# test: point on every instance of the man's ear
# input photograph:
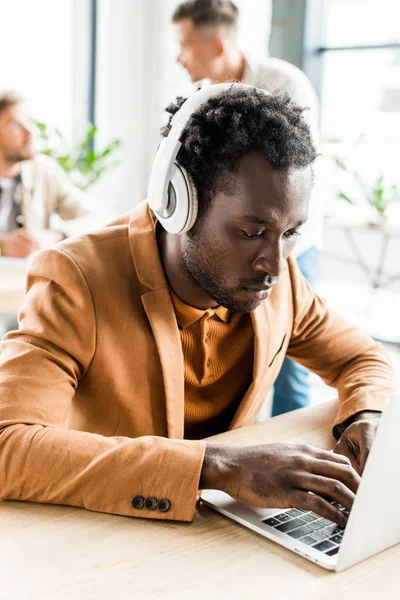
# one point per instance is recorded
(219, 47)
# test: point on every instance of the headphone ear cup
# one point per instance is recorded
(181, 211)
(193, 207)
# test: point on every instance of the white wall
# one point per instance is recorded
(36, 50)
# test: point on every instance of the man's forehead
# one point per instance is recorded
(254, 175)
(261, 194)
(185, 31)
(184, 28)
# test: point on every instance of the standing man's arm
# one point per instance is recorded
(41, 365)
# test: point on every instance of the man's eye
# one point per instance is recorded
(291, 234)
(252, 235)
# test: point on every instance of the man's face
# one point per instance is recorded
(16, 134)
(237, 251)
(198, 49)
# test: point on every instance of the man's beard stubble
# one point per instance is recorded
(198, 266)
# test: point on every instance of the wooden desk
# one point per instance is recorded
(55, 552)
(12, 284)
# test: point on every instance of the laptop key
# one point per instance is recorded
(293, 512)
(315, 526)
(331, 529)
(338, 530)
(283, 518)
(280, 515)
(309, 517)
(289, 525)
(336, 539)
(325, 522)
(271, 521)
(332, 552)
(323, 546)
(309, 540)
(320, 535)
(299, 532)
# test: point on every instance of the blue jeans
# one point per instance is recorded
(292, 388)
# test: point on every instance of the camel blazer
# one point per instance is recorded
(92, 384)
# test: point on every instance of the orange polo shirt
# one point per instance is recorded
(218, 363)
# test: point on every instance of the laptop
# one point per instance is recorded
(373, 523)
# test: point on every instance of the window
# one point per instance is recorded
(359, 68)
(44, 47)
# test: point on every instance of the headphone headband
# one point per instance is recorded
(172, 194)
(157, 196)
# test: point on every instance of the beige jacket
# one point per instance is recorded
(46, 189)
(92, 386)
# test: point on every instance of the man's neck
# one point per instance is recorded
(231, 69)
(9, 170)
(179, 281)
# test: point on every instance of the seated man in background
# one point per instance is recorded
(32, 186)
(206, 31)
(136, 342)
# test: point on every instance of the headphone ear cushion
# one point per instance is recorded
(181, 212)
(193, 204)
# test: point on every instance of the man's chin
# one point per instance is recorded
(21, 156)
(240, 306)
(28, 155)
(249, 307)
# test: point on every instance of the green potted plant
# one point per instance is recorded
(83, 163)
(377, 193)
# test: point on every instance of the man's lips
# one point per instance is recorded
(258, 292)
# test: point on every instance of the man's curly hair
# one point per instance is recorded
(234, 123)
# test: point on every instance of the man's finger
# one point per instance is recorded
(344, 473)
(329, 488)
(330, 455)
(319, 505)
(367, 437)
(344, 449)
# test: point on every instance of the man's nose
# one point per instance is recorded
(271, 262)
(28, 130)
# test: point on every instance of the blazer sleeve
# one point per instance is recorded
(40, 367)
(342, 355)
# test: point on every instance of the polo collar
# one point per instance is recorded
(187, 315)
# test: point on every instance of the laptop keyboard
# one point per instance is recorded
(310, 528)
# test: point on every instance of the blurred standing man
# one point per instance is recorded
(206, 31)
(32, 187)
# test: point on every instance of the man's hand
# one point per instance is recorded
(282, 476)
(356, 440)
(18, 244)
(21, 242)
(48, 237)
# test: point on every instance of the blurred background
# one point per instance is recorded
(97, 75)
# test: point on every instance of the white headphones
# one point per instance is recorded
(172, 194)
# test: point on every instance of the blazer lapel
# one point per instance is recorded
(252, 401)
(158, 305)
(160, 312)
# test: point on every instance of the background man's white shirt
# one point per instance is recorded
(271, 74)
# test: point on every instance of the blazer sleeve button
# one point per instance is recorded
(163, 505)
(137, 502)
(150, 503)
